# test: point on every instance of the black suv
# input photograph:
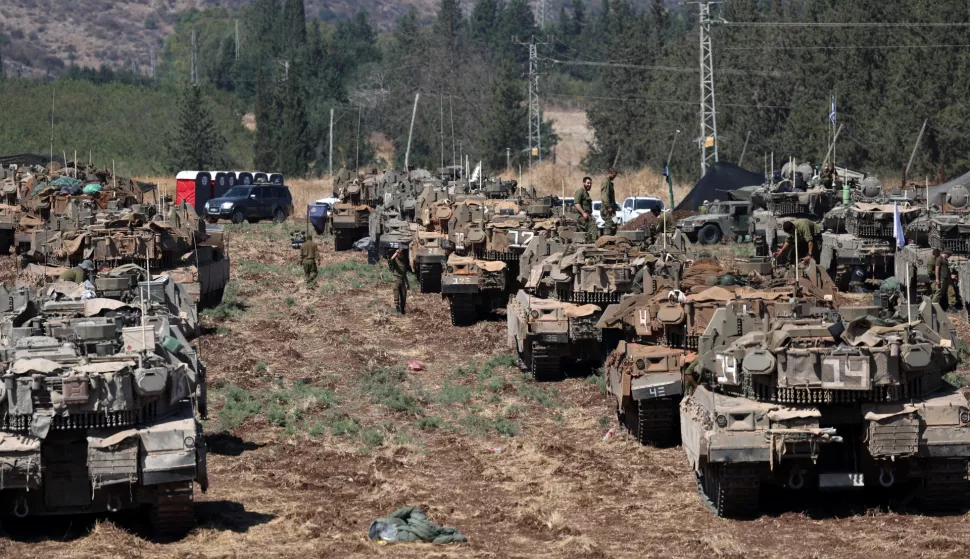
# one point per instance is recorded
(251, 203)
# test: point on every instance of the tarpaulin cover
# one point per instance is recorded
(720, 178)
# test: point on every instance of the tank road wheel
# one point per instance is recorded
(341, 241)
(430, 277)
(945, 485)
(172, 514)
(546, 363)
(730, 490)
(657, 421)
(462, 310)
(710, 234)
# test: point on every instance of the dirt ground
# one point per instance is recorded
(316, 429)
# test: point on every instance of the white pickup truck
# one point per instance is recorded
(635, 206)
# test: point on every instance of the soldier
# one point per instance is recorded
(399, 267)
(940, 274)
(828, 176)
(704, 208)
(79, 273)
(608, 203)
(584, 205)
(808, 236)
(340, 180)
(308, 259)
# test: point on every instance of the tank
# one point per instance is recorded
(473, 288)
(430, 248)
(826, 404)
(857, 263)
(174, 242)
(545, 332)
(101, 409)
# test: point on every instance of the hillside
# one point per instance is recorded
(40, 37)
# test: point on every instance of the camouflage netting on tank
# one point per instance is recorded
(697, 274)
(411, 525)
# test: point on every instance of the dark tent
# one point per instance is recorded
(30, 159)
(721, 177)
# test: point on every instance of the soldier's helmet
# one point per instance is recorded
(87, 265)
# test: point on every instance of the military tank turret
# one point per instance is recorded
(820, 404)
(100, 408)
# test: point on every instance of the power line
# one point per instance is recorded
(677, 69)
(862, 24)
(847, 47)
(665, 101)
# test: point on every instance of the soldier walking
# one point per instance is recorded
(399, 267)
(608, 203)
(308, 259)
(584, 205)
(940, 275)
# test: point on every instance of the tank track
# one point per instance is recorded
(730, 490)
(945, 485)
(342, 241)
(463, 311)
(429, 277)
(546, 363)
(658, 422)
(172, 514)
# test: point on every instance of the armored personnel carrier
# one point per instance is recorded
(950, 232)
(543, 332)
(350, 218)
(867, 251)
(100, 410)
(815, 404)
(429, 249)
(174, 242)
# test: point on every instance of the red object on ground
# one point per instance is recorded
(415, 365)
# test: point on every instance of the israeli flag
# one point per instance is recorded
(898, 227)
(832, 113)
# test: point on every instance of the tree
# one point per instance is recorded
(507, 120)
(195, 142)
(293, 29)
(264, 151)
(264, 25)
(293, 140)
(2, 74)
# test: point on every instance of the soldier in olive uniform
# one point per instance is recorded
(340, 180)
(78, 273)
(704, 207)
(608, 203)
(584, 205)
(308, 259)
(399, 267)
(942, 289)
(807, 234)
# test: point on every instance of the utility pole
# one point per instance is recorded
(414, 114)
(451, 109)
(237, 39)
(508, 158)
(151, 49)
(708, 106)
(441, 126)
(331, 142)
(195, 76)
(744, 149)
(535, 114)
(286, 68)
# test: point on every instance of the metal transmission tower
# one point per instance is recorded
(535, 113)
(708, 139)
(542, 7)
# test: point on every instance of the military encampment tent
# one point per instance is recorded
(720, 178)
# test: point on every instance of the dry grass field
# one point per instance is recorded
(316, 428)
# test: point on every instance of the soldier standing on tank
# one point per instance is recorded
(340, 180)
(584, 205)
(940, 275)
(308, 259)
(608, 203)
(399, 267)
(828, 176)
